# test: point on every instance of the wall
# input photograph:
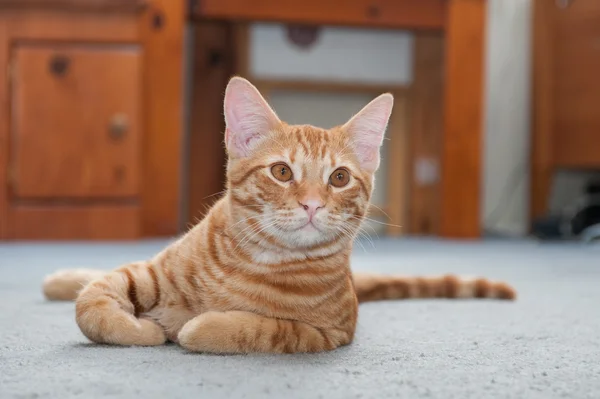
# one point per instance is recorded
(340, 54)
(507, 123)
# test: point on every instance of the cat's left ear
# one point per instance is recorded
(367, 128)
(248, 117)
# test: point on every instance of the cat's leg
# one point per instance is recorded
(245, 332)
(107, 308)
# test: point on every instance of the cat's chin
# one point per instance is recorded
(307, 236)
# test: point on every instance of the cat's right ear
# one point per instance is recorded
(248, 117)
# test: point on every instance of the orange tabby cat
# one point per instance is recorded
(268, 268)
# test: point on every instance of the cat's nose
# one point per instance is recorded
(311, 206)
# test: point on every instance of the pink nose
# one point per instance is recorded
(311, 206)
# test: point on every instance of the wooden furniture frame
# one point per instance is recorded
(161, 30)
(462, 22)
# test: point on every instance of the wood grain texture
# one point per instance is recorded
(81, 27)
(398, 180)
(213, 65)
(62, 120)
(463, 120)
(68, 222)
(4, 128)
(163, 37)
(566, 94)
(542, 107)
(401, 14)
(69, 5)
(426, 132)
(241, 43)
(576, 87)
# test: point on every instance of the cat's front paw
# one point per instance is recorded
(208, 332)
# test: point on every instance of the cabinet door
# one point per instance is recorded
(75, 121)
(575, 67)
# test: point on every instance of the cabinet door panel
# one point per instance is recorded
(75, 121)
(576, 97)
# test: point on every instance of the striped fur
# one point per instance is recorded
(259, 273)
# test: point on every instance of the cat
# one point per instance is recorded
(268, 268)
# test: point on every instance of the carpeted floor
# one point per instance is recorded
(546, 345)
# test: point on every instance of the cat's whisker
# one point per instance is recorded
(239, 222)
(359, 242)
(349, 234)
(362, 228)
(265, 216)
(377, 221)
(381, 210)
(359, 231)
(248, 238)
(248, 227)
(252, 226)
(215, 194)
(362, 233)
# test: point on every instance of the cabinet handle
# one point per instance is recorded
(118, 126)
(59, 65)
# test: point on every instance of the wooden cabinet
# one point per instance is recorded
(576, 96)
(566, 96)
(90, 118)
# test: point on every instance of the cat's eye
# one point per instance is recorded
(339, 178)
(281, 172)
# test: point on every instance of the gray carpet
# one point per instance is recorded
(546, 345)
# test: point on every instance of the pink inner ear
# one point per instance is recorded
(368, 154)
(367, 129)
(247, 116)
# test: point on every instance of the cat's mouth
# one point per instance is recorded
(309, 226)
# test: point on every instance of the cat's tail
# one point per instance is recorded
(64, 285)
(376, 287)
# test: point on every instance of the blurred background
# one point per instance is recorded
(111, 122)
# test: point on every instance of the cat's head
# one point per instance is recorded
(299, 185)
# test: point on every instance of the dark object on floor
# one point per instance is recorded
(548, 228)
(580, 220)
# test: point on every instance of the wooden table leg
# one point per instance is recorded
(398, 190)
(162, 30)
(213, 64)
(462, 165)
(541, 140)
(426, 133)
